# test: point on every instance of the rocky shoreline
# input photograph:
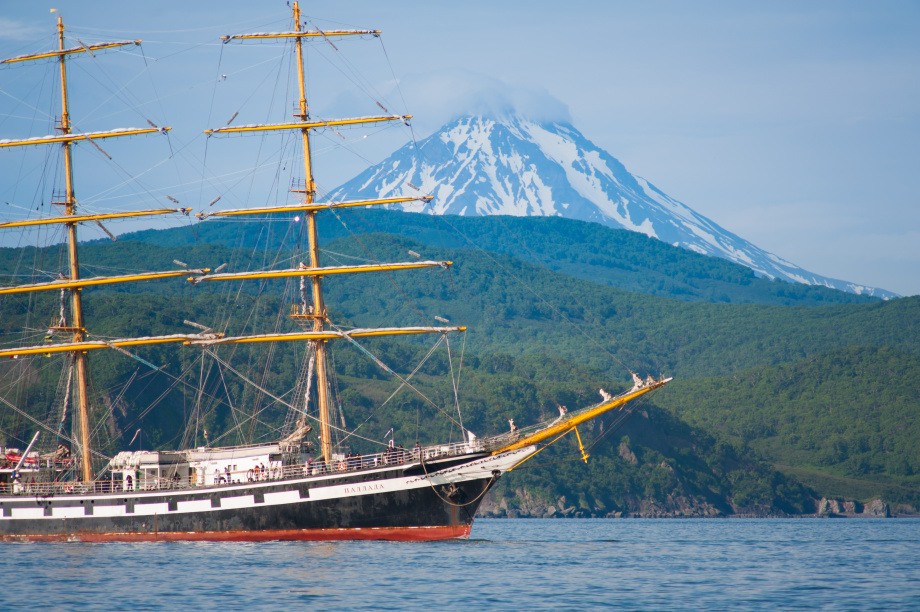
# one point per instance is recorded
(523, 504)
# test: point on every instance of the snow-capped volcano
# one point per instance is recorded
(479, 165)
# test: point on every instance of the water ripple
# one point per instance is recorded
(526, 564)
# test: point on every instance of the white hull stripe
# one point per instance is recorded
(478, 469)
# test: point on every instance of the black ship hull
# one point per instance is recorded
(408, 502)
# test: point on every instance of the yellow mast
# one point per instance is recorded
(318, 335)
(70, 219)
(76, 323)
(319, 308)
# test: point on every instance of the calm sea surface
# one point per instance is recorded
(628, 564)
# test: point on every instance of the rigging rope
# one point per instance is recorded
(66, 397)
(47, 428)
(386, 273)
(458, 290)
(392, 395)
(233, 409)
(455, 382)
(281, 401)
(389, 370)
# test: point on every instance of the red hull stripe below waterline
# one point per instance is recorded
(406, 534)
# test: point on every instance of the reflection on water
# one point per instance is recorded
(528, 564)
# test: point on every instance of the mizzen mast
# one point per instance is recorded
(76, 302)
(70, 219)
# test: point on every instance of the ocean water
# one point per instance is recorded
(507, 564)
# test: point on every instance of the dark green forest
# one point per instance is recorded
(849, 413)
(619, 258)
(783, 393)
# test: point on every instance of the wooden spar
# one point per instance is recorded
(82, 347)
(299, 34)
(82, 218)
(99, 280)
(317, 272)
(325, 335)
(579, 418)
(307, 125)
(67, 137)
(319, 206)
(209, 339)
(62, 52)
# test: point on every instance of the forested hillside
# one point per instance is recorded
(514, 307)
(850, 413)
(656, 466)
(766, 397)
(620, 258)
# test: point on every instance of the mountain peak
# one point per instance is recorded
(506, 164)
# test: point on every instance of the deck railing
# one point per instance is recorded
(389, 457)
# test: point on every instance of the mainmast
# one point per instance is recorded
(319, 308)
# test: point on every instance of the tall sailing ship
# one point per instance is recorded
(292, 488)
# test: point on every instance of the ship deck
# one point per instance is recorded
(392, 457)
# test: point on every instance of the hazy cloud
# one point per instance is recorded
(11, 29)
(436, 98)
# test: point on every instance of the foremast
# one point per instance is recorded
(319, 308)
(319, 334)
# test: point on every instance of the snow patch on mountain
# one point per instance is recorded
(479, 165)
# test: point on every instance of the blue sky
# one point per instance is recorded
(794, 125)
